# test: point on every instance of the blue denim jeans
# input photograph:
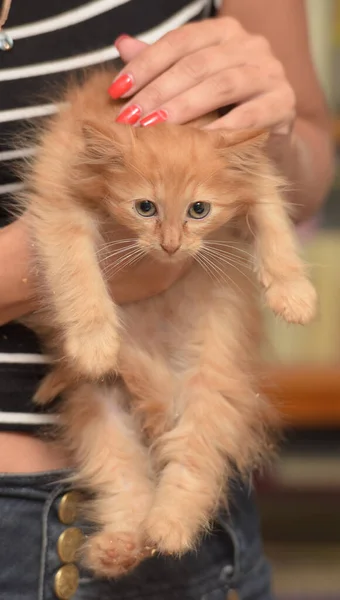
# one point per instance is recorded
(231, 557)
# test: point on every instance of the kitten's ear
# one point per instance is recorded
(104, 146)
(240, 139)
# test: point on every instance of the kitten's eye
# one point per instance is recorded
(199, 210)
(145, 208)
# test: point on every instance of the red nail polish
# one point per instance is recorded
(122, 85)
(130, 115)
(121, 37)
(153, 118)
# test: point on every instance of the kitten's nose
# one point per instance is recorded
(170, 248)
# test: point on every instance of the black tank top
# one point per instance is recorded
(52, 39)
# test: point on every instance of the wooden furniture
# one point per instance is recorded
(307, 395)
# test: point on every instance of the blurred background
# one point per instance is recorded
(300, 497)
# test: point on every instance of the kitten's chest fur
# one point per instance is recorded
(173, 324)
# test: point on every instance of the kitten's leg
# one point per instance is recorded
(83, 309)
(152, 386)
(223, 424)
(111, 463)
(194, 457)
(282, 272)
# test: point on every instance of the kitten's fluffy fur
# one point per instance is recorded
(157, 445)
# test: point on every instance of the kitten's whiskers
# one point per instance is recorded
(221, 253)
(201, 262)
(116, 243)
(229, 261)
(126, 261)
(224, 277)
(119, 251)
(232, 246)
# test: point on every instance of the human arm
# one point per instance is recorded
(17, 277)
(16, 286)
(306, 155)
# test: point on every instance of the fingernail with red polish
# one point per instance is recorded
(153, 118)
(121, 86)
(120, 38)
(130, 115)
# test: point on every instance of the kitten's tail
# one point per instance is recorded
(56, 382)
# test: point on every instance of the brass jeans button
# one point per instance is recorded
(66, 582)
(68, 507)
(69, 543)
(232, 595)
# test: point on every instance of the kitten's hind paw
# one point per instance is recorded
(295, 300)
(94, 353)
(114, 553)
(169, 534)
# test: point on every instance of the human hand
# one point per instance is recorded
(202, 67)
(144, 280)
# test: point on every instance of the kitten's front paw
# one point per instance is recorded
(114, 553)
(295, 301)
(93, 353)
(168, 532)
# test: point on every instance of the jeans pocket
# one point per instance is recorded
(250, 575)
(256, 584)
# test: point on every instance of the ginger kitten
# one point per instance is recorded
(157, 445)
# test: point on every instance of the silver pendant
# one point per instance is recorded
(6, 42)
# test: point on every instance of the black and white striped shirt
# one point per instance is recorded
(51, 39)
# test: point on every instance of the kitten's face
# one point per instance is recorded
(171, 189)
(171, 223)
